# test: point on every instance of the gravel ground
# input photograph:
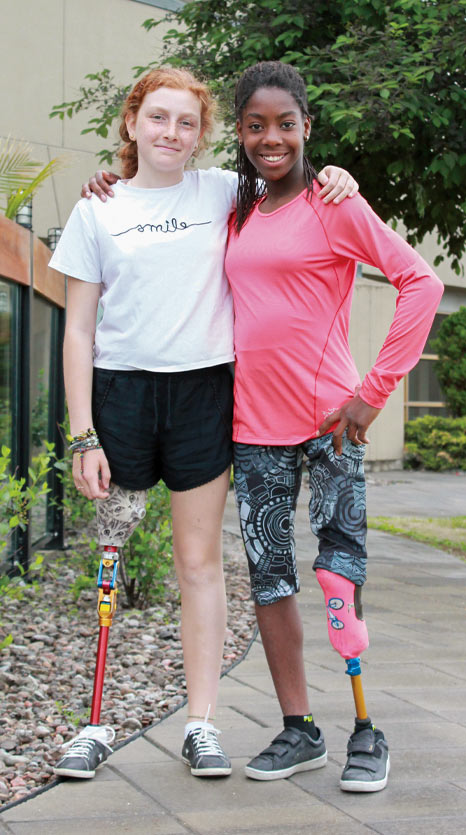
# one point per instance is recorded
(46, 674)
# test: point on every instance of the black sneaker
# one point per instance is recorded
(86, 752)
(202, 751)
(368, 763)
(292, 750)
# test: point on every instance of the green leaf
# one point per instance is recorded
(23, 195)
(6, 642)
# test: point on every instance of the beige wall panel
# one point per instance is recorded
(372, 313)
(31, 45)
(48, 47)
(69, 182)
(98, 35)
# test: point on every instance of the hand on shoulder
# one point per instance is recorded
(101, 185)
(337, 184)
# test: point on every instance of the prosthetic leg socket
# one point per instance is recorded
(347, 628)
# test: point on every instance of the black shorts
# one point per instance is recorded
(174, 426)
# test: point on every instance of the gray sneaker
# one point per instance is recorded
(86, 752)
(204, 754)
(368, 763)
(292, 750)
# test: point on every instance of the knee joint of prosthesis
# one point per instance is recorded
(119, 515)
(347, 628)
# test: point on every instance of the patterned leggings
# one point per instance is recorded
(267, 484)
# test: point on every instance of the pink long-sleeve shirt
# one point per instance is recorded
(292, 275)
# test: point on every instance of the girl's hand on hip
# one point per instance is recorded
(91, 474)
(337, 184)
(101, 184)
(355, 416)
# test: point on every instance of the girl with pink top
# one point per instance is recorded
(291, 263)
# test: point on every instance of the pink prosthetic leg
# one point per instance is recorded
(368, 762)
(346, 628)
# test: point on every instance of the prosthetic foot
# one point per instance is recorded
(117, 517)
(368, 763)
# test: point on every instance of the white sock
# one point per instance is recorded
(191, 726)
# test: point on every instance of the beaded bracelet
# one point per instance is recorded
(82, 436)
(84, 441)
(82, 449)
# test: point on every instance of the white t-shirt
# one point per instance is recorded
(158, 254)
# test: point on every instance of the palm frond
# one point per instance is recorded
(17, 169)
(24, 193)
(21, 176)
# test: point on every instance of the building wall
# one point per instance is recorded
(47, 48)
(423, 394)
(372, 313)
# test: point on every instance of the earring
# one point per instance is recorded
(132, 137)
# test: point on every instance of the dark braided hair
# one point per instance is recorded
(265, 74)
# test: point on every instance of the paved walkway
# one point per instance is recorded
(414, 677)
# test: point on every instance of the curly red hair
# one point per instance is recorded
(178, 79)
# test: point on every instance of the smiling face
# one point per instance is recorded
(273, 130)
(167, 128)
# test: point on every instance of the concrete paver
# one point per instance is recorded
(414, 676)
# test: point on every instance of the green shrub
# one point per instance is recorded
(40, 413)
(435, 443)
(145, 559)
(450, 367)
(17, 498)
(78, 510)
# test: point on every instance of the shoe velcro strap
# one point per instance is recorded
(363, 742)
(363, 761)
(282, 742)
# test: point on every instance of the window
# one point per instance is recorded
(423, 395)
(6, 360)
(171, 5)
(41, 329)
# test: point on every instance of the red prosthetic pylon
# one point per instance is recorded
(106, 607)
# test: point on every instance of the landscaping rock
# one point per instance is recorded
(47, 690)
